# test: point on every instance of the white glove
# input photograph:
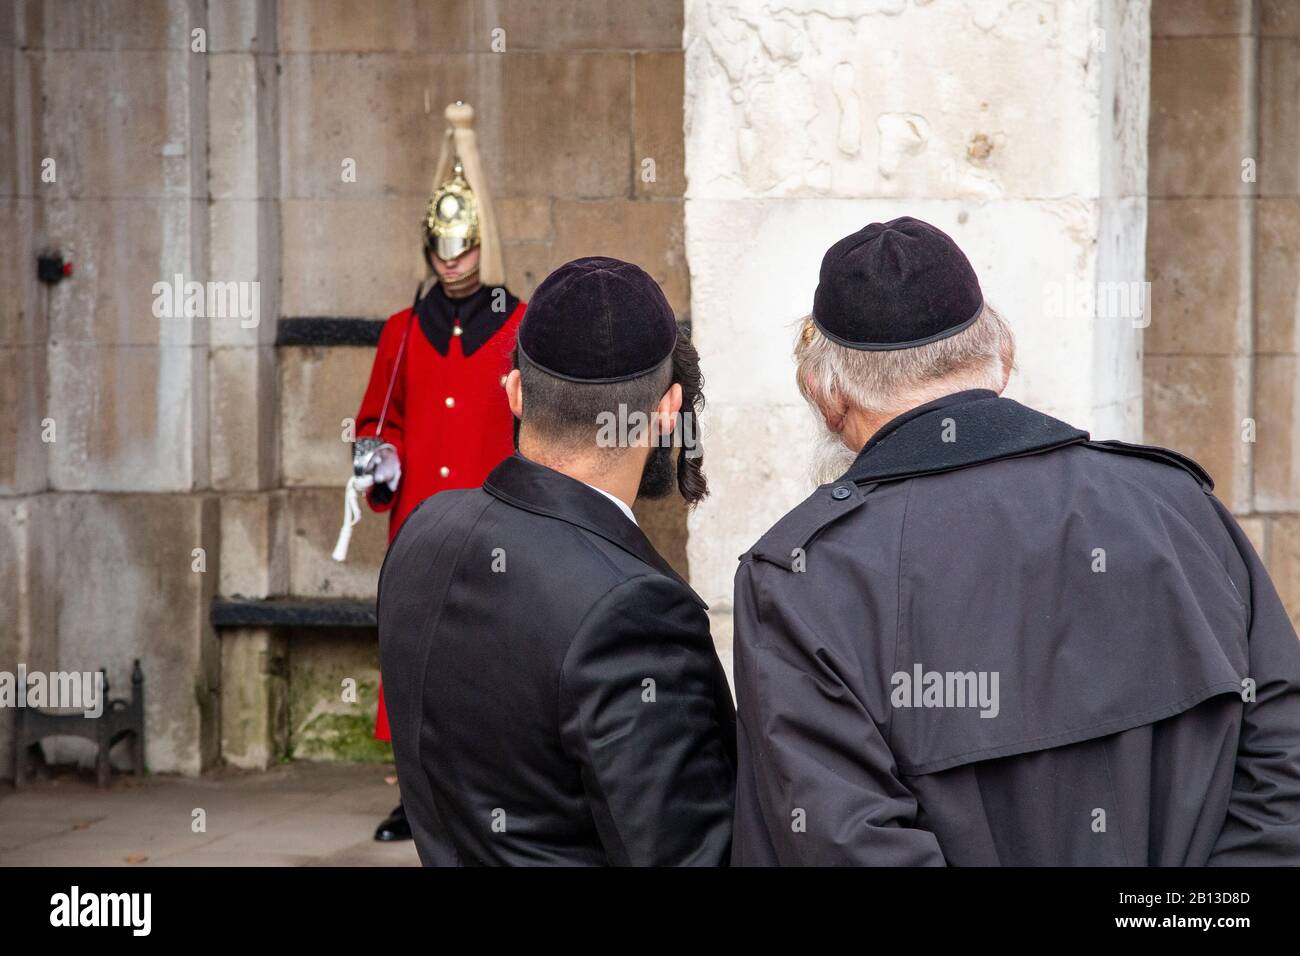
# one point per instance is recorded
(384, 467)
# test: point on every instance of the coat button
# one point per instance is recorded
(840, 493)
(456, 330)
(451, 402)
(444, 471)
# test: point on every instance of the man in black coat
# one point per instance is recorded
(553, 692)
(990, 640)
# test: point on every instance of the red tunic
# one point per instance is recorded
(448, 417)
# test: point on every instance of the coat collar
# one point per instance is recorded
(525, 484)
(980, 426)
(479, 321)
(957, 431)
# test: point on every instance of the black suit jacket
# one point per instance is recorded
(553, 692)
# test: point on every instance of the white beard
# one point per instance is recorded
(831, 458)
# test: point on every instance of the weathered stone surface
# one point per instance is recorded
(383, 112)
(120, 251)
(243, 432)
(546, 147)
(134, 25)
(23, 317)
(648, 233)
(796, 102)
(119, 124)
(1200, 304)
(127, 587)
(657, 82)
(1255, 528)
(254, 545)
(1174, 18)
(343, 107)
(1279, 18)
(585, 24)
(1200, 116)
(236, 154)
(750, 491)
(27, 599)
(664, 523)
(1277, 447)
(396, 26)
(244, 248)
(527, 264)
(525, 219)
(319, 389)
(127, 419)
(407, 26)
(324, 723)
(1277, 275)
(325, 275)
(9, 135)
(314, 518)
(22, 394)
(254, 698)
(242, 26)
(1279, 116)
(1284, 562)
(1197, 404)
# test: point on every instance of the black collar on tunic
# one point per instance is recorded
(526, 484)
(479, 321)
(966, 428)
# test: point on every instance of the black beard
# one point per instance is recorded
(658, 474)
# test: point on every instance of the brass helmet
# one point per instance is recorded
(451, 221)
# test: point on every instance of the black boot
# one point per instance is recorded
(395, 827)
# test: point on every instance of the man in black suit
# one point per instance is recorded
(553, 692)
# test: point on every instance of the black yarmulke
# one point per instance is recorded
(598, 320)
(895, 285)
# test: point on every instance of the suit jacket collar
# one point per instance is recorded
(439, 313)
(525, 484)
(956, 431)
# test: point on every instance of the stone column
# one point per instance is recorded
(1019, 129)
(1204, 135)
(1277, 297)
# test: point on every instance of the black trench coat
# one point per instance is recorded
(994, 641)
(553, 692)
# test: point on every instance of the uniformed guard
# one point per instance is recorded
(553, 690)
(990, 639)
(434, 415)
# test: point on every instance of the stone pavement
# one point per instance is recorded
(299, 814)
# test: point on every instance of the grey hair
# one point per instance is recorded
(885, 381)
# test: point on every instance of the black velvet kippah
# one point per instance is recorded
(895, 285)
(598, 320)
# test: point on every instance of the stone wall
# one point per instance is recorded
(218, 155)
(106, 466)
(1222, 379)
